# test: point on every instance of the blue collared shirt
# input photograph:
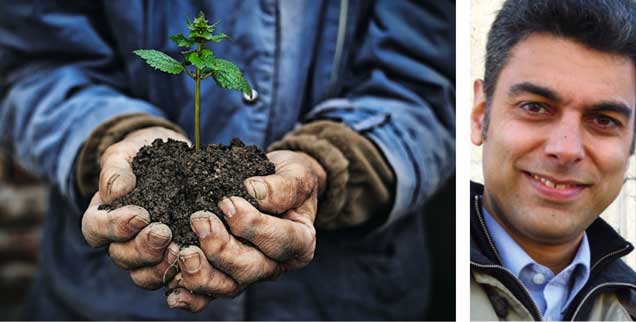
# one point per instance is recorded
(551, 293)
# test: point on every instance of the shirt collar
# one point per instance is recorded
(514, 258)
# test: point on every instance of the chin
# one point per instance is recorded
(554, 234)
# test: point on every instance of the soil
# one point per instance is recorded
(174, 181)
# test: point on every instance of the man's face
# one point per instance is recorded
(561, 126)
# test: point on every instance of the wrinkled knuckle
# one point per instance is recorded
(248, 274)
(254, 219)
(214, 245)
(148, 255)
(219, 286)
(245, 228)
(266, 272)
(221, 246)
(120, 228)
(300, 192)
(308, 183)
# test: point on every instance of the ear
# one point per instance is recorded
(478, 113)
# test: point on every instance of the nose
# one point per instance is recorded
(565, 143)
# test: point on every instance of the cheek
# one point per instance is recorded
(611, 160)
(511, 142)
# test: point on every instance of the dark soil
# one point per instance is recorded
(174, 181)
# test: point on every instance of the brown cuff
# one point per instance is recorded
(110, 132)
(360, 182)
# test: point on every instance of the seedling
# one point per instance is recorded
(226, 74)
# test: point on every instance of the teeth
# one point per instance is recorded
(551, 184)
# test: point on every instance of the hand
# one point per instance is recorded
(133, 243)
(224, 264)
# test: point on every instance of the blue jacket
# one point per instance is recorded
(385, 68)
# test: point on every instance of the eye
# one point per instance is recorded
(534, 108)
(605, 122)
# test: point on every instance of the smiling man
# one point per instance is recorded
(555, 116)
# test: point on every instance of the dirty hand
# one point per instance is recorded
(133, 243)
(258, 246)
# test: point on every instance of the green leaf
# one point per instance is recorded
(207, 56)
(201, 31)
(199, 35)
(227, 75)
(194, 59)
(189, 24)
(203, 60)
(181, 40)
(220, 37)
(160, 61)
(200, 23)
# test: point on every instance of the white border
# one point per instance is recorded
(462, 139)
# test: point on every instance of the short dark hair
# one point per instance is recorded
(604, 25)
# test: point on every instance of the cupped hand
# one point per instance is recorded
(133, 243)
(261, 243)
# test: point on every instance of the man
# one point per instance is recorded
(555, 115)
(355, 101)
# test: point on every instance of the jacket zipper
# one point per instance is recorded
(536, 313)
(483, 226)
(608, 255)
(595, 290)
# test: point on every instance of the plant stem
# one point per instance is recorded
(197, 105)
(197, 110)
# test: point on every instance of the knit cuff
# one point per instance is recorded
(360, 182)
(105, 135)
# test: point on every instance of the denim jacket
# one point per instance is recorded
(384, 68)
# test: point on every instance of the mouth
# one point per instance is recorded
(556, 189)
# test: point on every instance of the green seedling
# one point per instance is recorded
(226, 74)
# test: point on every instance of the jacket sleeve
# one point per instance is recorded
(59, 79)
(400, 94)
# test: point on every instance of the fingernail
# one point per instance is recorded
(110, 183)
(191, 262)
(173, 252)
(258, 189)
(137, 222)
(228, 207)
(159, 236)
(200, 223)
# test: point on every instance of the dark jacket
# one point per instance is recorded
(610, 278)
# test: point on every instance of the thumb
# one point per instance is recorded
(277, 194)
(116, 178)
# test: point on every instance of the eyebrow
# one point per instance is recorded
(603, 106)
(611, 106)
(527, 87)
